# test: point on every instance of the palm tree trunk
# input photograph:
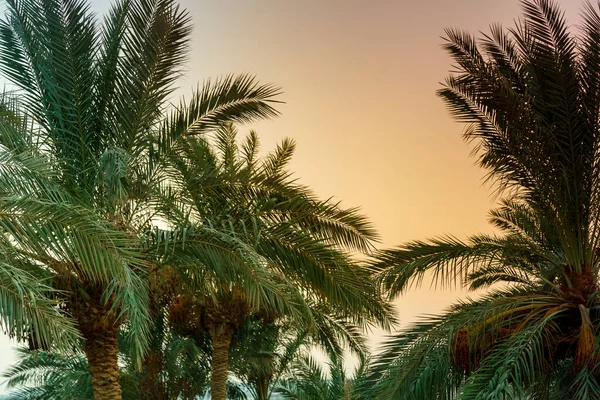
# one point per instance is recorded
(221, 335)
(99, 326)
(102, 354)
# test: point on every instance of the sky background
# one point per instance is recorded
(359, 80)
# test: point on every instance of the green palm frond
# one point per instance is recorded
(85, 160)
(500, 341)
(451, 260)
(310, 380)
(42, 375)
(231, 98)
(155, 45)
(27, 310)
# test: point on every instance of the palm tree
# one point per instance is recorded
(530, 99)
(264, 359)
(42, 375)
(27, 309)
(309, 379)
(298, 243)
(96, 96)
(264, 354)
(184, 371)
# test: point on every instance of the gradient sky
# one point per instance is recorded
(359, 80)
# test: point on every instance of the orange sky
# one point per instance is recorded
(360, 78)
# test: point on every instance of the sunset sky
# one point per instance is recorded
(359, 80)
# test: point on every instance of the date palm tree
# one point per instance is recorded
(96, 95)
(27, 308)
(264, 354)
(301, 245)
(310, 379)
(46, 375)
(530, 99)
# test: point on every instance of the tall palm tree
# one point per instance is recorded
(300, 245)
(96, 96)
(530, 97)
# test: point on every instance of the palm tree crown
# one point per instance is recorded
(98, 128)
(530, 99)
(294, 248)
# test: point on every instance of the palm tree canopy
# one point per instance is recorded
(300, 243)
(292, 250)
(529, 98)
(97, 127)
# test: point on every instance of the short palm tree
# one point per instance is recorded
(185, 373)
(41, 375)
(530, 97)
(96, 96)
(298, 242)
(264, 354)
(310, 379)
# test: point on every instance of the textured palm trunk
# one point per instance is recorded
(99, 326)
(221, 339)
(102, 355)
